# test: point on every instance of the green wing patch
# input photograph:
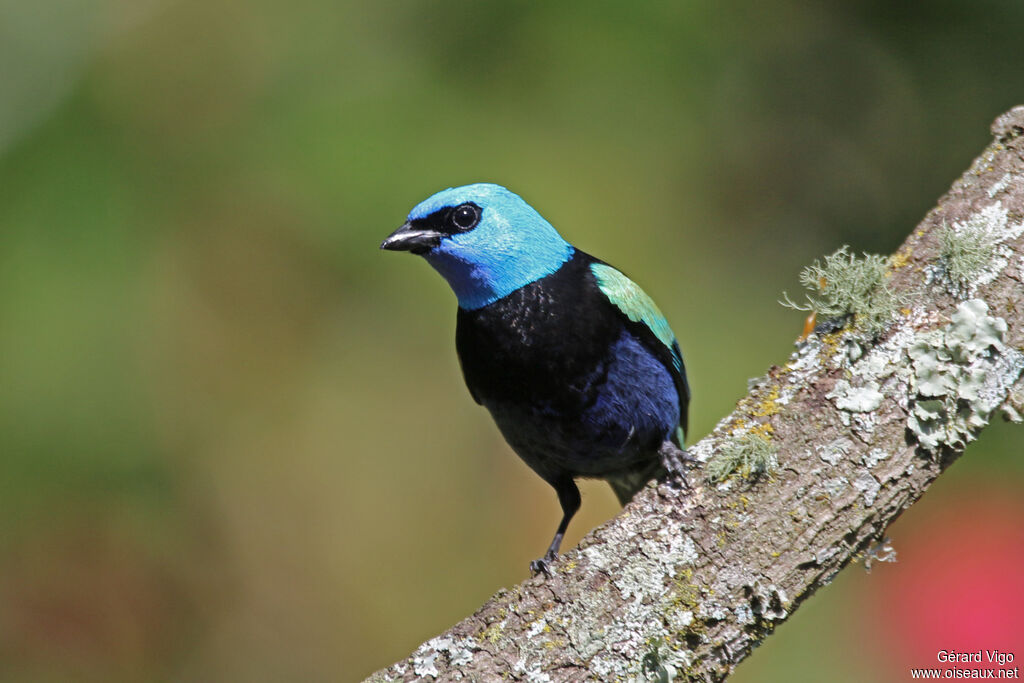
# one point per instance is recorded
(634, 303)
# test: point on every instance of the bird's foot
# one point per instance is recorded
(543, 565)
(676, 462)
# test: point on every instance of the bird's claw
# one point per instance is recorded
(676, 462)
(542, 565)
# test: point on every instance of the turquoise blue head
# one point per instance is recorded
(484, 240)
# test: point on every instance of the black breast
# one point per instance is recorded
(544, 345)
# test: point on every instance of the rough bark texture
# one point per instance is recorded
(683, 584)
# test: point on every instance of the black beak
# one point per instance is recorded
(411, 238)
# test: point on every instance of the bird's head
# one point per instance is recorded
(486, 241)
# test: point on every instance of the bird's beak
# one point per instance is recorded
(411, 238)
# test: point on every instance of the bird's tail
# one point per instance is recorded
(626, 484)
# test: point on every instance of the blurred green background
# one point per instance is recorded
(235, 440)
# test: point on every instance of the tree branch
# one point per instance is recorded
(683, 584)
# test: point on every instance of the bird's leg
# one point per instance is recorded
(675, 460)
(569, 498)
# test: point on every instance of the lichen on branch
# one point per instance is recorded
(849, 286)
(748, 455)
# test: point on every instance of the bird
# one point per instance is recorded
(574, 361)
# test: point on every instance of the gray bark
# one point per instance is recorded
(684, 583)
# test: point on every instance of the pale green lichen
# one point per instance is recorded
(848, 286)
(965, 249)
(861, 399)
(961, 373)
(748, 454)
(661, 553)
(974, 252)
(457, 652)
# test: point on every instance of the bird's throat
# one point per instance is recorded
(478, 281)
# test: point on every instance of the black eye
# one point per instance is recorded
(465, 216)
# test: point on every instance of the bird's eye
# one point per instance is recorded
(466, 216)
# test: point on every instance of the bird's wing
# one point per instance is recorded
(648, 323)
